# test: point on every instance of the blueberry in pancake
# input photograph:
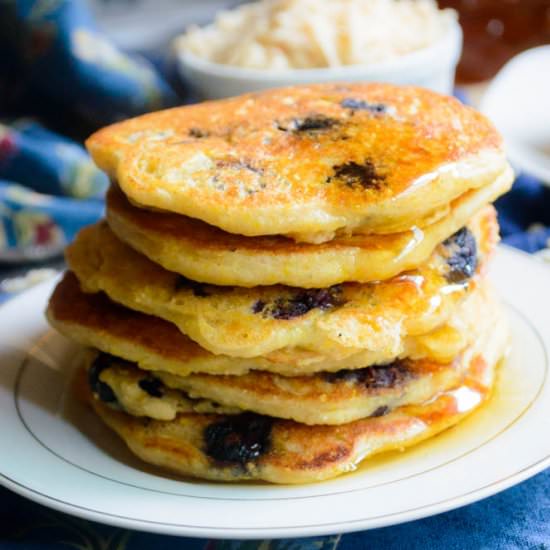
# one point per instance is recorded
(204, 253)
(155, 344)
(336, 322)
(248, 446)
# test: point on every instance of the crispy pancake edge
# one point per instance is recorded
(336, 322)
(206, 254)
(154, 344)
(321, 398)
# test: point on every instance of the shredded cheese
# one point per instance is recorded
(298, 34)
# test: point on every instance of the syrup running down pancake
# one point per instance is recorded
(338, 321)
(321, 398)
(206, 254)
(154, 344)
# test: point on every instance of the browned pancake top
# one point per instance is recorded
(306, 160)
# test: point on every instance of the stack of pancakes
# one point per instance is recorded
(289, 282)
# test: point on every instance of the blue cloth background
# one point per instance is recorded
(57, 66)
(49, 189)
(518, 518)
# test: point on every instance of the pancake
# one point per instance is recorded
(206, 254)
(338, 321)
(154, 344)
(322, 398)
(308, 162)
(249, 446)
(125, 387)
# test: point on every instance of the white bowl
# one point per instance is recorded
(518, 102)
(432, 67)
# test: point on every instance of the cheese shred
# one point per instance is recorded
(300, 34)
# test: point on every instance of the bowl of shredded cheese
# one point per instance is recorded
(273, 43)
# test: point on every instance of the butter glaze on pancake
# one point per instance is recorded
(204, 253)
(243, 322)
(244, 447)
(322, 398)
(301, 162)
(154, 344)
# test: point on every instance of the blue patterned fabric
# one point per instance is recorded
(49, 189)
(47, 162)
(38, 225)
(55, 64)
(516, 519)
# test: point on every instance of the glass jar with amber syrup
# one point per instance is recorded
(495, 31)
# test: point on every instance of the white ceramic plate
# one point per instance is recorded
(54, 451)
(518, 102)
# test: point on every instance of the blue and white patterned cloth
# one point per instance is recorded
(56, 64)
(55, 60)
(49, 189)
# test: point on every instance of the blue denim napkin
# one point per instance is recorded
(524, 215)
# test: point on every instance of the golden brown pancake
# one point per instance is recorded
(154, 344)
(308, 162)
(125, 387)
(338, 321)
(322, 398)
(249, 446)
(206, 254)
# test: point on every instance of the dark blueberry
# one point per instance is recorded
(304, 301)
(462, 255)
(153, 386)
(258, 306)
(378, 376)
(380, 411)
(198, 133)
(197, 288)
(361, 105)
(238, 439)
(313, 123)
(356, 175)
(101, 389)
